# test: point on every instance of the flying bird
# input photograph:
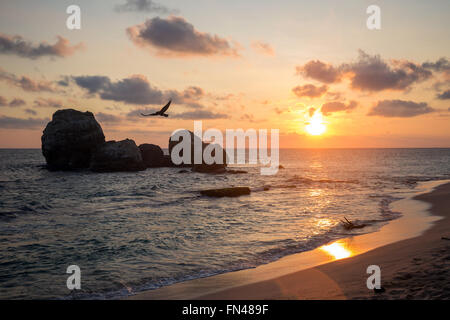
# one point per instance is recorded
(160, 112)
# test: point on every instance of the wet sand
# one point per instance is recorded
(413, 258)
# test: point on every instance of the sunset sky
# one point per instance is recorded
(233, 64)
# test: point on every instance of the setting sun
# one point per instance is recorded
(316, 126)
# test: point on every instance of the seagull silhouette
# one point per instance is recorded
(160, 112)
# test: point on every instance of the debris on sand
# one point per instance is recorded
(350, 225)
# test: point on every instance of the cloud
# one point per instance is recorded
(336, 106)
(92, 84)
(372, 73)
(138, 90)
(263, 48)
(310, 90)
(16, 102)
(107, 118)
(133, 90)
(334, 95)
(30, 111)
(189, 97)
(320, 71)
(311, 111)
(174, 36)
(13, 103)
(19, 123)
(16, 45)
(441, 65)
(142, 6)
(199, 114)
(250, 118)
(26, 83)
(48, 103)
(399, 108)
(444, 95)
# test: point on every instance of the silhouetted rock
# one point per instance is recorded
(209, 168)
(117, 156)
(236, 172)
(226, 192)
(152, 155)
(203, 167)
(167, 162)
(69, 140)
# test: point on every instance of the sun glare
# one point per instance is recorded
(315, 126)
(337, 250)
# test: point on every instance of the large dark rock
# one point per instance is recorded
(226, 192)
(203, 167)
(69, 140)
(152, 155)
(117, 156)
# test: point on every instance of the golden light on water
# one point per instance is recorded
(337, 250)
(316, 126)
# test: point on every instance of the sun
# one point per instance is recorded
(316, 126)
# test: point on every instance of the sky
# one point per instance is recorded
(232, 64)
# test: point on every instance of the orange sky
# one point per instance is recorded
(242, 65)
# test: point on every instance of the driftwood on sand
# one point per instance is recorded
(350, 225)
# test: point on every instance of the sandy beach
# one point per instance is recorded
(417, 267)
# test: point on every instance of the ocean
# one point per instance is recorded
(130, 232)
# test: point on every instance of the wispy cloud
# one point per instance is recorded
(48, 103)
(20, 123)
(26, 83)
(310, 91)
(444, 95)
(199, 114)
(16, 45)
(263, 48)
(143, 6)
(400, 108)
(336, 106)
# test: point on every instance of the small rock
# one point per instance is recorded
(226, 192)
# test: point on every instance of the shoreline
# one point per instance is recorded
(336, 270)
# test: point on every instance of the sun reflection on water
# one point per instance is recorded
(337, 250)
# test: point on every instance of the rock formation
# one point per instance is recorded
(117, 156)
(226, 192)
(203, 167)
(70, 139)
(152, 155)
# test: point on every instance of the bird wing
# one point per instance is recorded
(164, 109)
(151, 114)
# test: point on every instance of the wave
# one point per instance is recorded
(305, 180)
